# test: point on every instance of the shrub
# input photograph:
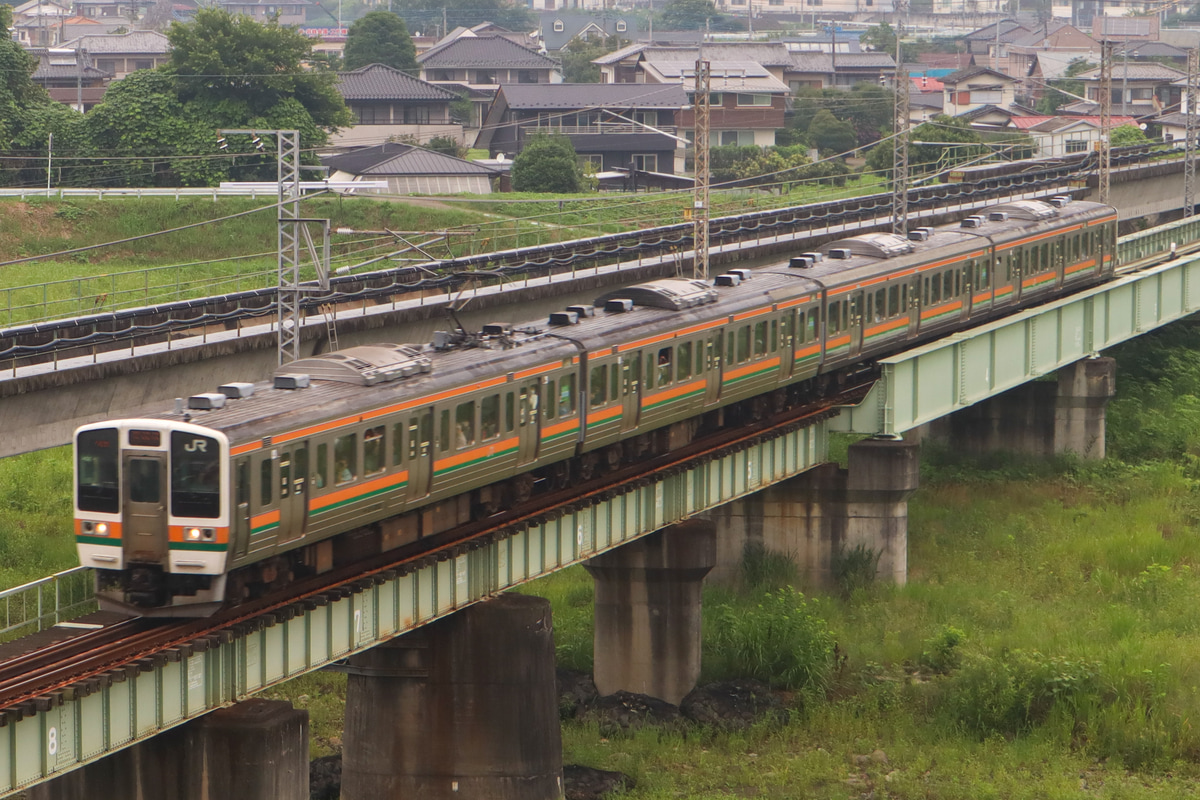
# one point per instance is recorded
(547, 164)
(781, 641)
(941, 653)
(854, 569)
(766, 569)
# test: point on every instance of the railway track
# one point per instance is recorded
(36, 680)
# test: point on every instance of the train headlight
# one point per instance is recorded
(95, 528)
(200, 534)
(102, 528)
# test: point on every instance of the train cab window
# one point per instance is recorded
(597, 383)
(743, 344)
(760, 339)
(373, 451)
(345, 458)
(321, 476)
(97, 464)
(566, 396)
(464, 424)
(685, 361)
(489, 417)
(664, 366)
(195, 476)
(266, 480)
(510, 414)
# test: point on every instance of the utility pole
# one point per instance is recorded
(900, 140)
(1106, 58)
(1189, 156)
(701, 109)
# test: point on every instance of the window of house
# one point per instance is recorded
(593, 162)
(558, 26)
(109, 65)
(647, 162)
(416, 115)
(756, 100)
(726, 138)
(527, 76)
(1076, 145)
(365, 115)
(621, 26)
(143, 63)
(485, 76)
(988, 96)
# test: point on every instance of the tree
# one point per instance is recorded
(380, 37)
(578, 54)
(1127, 135)
(236, 72)
(949, 140)
(547, 164)
(827, 132)
(882, 39)
(447, 145)
(867, 107)
(1058, 93)
(689, 15)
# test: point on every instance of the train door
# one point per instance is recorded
(528, 422)
(144, 515)
(713, 364)
(420, 453)
(1058, 251)
(966, 287)
(293, 491)
(241, 506)
(911, 296)
(856, 322)
(631, 390)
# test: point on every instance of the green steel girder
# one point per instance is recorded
(929, 382)
(150, 697)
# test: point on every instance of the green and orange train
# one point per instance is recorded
(370, 448)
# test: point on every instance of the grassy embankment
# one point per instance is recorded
(238, 254)
(1047, 644)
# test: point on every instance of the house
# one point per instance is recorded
(119, 54)
(980, 42)
(1139, 89)
(1161, 52)
(975, 87)
(611, 126)
(1063, 135)
(558, 28)
(36, 24)
(122, 10)
(637, 63)
(924, 106)
(487, 60)
(69, 77)
(386, 103)
(410, 170)
(1125, 29)
(1065, 41)
(290, 13)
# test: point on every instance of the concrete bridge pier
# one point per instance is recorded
(463, 707)
(255, 750)
(824, 516)
(648, 627)
(1039, 418)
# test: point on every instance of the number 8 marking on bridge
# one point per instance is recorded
(52, 741)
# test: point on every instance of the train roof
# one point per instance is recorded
(358, 380)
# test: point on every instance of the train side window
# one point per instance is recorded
(551, 396)
(464, 424)
(322, 475)
(345, 458)
(373, 462)
(893, 308)
(904, 298)
(596, 385)
(880, 309)
(566, 395)
(649, 371)
(933, 290)
(444, 430)
(509, 413)
(489, 417)
(242, 484)
(730, 350)
(1045, 262)
(397, 444)
(814, 322)
(699, 358)
(665, 366)
(760, 338)
(950, 284)
(785, 330)
(266, 481)
(774, 337)
(743, 344)
(685, 361)
(833, 319)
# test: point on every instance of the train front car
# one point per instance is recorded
(152, 515)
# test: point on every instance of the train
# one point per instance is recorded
(1077, 163)
(350, 453)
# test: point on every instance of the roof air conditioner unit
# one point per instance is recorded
(741, 272)
(1058, 201)
(998, 216)
(618, 306)
(582, 311)
(817, 258)
(841, 253)
(728, 279)
(496, 329)
(207, 401)
(972, 222)
(559, 318)
(291, 381)
(800, 262)
(236, 390)
(918, 235)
